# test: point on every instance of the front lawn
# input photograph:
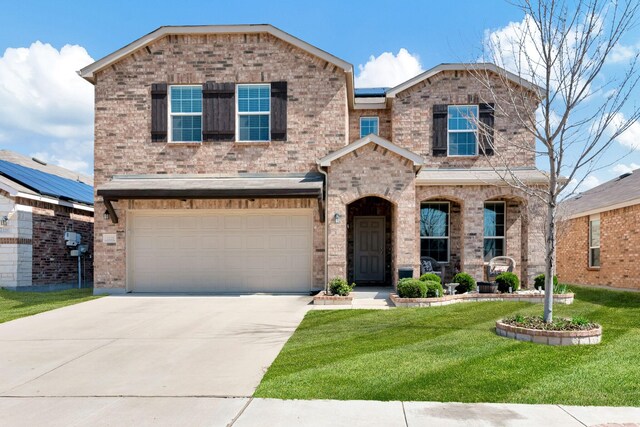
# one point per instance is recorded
(453, 354)
(14, 305)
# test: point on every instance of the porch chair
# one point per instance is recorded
(430, 265)
(498, 265)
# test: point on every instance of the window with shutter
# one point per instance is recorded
(185, 114)
(254, 113)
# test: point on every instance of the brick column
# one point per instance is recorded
(337, 240)
(473, 220)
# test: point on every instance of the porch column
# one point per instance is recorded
(337, 237)
(473, 217)
(404, 226)
(536, 212)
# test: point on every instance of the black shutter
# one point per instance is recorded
(159, 114)
(486, 119)
(439, 139)
(278, 111)
(218, 111)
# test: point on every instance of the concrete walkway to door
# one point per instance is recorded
(148, 346)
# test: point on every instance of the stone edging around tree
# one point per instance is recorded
(324, 299)
(476, 297)
(591, 336)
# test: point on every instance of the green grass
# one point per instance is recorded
(14, 305)
(453, 354)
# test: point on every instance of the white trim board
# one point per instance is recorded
(326, 161)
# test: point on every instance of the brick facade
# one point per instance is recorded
(619, 250)
(319, 121)
(32, 244)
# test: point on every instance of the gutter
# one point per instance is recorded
(326, 227)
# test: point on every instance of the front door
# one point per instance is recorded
(369, 249)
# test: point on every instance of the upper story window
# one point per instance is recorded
(462, 130)
(368, 125)
(594, 241)
(254, 112)
(185, 113)
(434, 230)
(494, 229)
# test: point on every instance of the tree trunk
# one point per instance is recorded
(550, 259)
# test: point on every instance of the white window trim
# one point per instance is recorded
(263, 113)
(447, 237)
(462, 131)
(369, 118)
(504, 237)
(170, 122)
(593, 218)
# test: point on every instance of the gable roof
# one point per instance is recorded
(615, 194)
(88, 72)
(480, 66)
(371, 138)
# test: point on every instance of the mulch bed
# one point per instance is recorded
(561, 324)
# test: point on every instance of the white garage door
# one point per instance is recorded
(220, 251)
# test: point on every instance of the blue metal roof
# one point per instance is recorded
(47, 184)
(370, 92)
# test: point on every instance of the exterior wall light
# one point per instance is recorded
(106, 216)
(337, 218)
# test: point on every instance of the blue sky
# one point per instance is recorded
(430, 32)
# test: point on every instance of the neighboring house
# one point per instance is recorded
(38, 204)
(599, 236)
(242, 159)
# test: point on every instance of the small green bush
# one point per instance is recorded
(507, 280)
(580, 321)
(430, 276)
(538, 281)
(412, 288)
(434, 289)
(466, 283)
(561, 288)
(341, 287)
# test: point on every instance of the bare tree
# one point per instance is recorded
(561, 48)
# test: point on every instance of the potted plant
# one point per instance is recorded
(488, 287)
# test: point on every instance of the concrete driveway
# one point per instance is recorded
(147, 346)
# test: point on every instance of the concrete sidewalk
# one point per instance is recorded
(246, 412)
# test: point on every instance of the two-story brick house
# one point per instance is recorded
(242, 159)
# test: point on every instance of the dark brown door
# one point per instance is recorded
(369, 249)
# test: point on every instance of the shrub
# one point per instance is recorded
(538, 281)
(466, 283)
(507, 280)
(412, 288)
(430, 277)
(340, 287)
(561, 288)
(434, 289)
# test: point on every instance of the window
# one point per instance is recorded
(185, 121)
(494, 226)
(368, 125)
(462, 130)
(594, 241)
(434, 230)
(254, 112)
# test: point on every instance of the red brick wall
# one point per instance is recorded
(619, 250)
(52, 263)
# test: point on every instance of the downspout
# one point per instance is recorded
(326, 227)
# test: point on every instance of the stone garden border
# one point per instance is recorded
(591, 336)
(476, 297)
(327, 299)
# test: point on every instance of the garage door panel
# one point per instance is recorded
(220, 251)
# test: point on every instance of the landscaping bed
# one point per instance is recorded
(453, 354)
(562, 331)
(328, 299)
(525, 296)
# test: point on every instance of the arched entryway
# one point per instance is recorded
(370, 237)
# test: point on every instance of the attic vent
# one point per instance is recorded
(42, 162)
(624, 175)
(579, 196)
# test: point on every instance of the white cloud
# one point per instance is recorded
(630, 138)
(45, 107)
(622, 53)
(388, 70)
(621, 168)
(587, 183)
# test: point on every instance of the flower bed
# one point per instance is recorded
(526, 296)
(560, 332)
(327, 299)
